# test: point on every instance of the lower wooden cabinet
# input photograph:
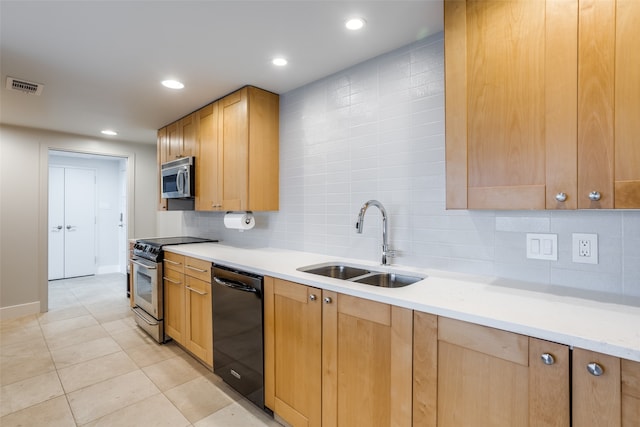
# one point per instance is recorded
(187, 304)
(356, 352)
(335, 360)
(489, 377)
(606, 390)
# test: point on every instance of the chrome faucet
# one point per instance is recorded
(386, 251)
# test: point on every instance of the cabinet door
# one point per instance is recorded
(174, 308)
(630, 393)
(608, 108)
(234, 140)
(488, 377)
(187, 132)
(510, 103)
(162, 157)
(199, 322)
(208, 165)
(293, 351)
(367, 359)
(174, 141)
(425, 369)
(596, 398)
(627, 107)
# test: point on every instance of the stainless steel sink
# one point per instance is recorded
(337, 271)
(388, 280)
(361, 275)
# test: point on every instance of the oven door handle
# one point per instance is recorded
(235, 285)
(148, 267)
(143, 317)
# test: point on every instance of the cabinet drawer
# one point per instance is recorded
(173, 276)
(173, 262)
(197, 268)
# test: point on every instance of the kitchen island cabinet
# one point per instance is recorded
(360, 356)
(555, 128)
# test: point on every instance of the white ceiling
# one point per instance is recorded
(101, 62)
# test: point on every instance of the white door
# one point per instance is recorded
(72, 200)
(56, 223)
(80, 222)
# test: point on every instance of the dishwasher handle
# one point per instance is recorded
(235, 285)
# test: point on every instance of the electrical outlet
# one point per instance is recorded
(585, 248)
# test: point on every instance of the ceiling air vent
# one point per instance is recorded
(24, 86)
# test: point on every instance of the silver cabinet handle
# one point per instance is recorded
(195, 269)
(312, 297)
(172, 281)
(196, 291)
(561, 197)
(595, 369)
(547, 359)
(69, 227)
(594, 195)
(327, 300)
(171, 261)
(148, 267)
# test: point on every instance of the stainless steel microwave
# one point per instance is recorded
(177, 179)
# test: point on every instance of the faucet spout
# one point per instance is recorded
(360, 226)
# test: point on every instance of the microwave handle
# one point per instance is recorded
(180, 178)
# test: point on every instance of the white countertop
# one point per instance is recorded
(551, 313)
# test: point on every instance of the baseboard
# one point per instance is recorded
(106, 269)
(20, 310)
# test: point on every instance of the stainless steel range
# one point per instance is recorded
(147, 282)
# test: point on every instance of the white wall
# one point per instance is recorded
(23, 206)
(376, 131)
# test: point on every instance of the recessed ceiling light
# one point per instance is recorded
(355, 23)
(280, 62)
(172, 84)
(109, 132)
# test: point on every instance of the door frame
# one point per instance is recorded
(43, 217)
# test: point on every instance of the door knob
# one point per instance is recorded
(594, 195)
(595, 369)
(327, 300)
(561, 197)
(548, 359)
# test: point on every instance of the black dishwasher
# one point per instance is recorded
(237, 331)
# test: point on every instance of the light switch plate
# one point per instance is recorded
(585, 248)
(542, 246)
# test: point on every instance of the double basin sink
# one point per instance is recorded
(361, 275)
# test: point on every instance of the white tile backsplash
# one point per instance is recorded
(376, 131)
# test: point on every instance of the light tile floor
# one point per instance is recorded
(86, 363)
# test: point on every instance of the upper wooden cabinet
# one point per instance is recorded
(609, 103)
(181, 138)
(538, 117)
(235, 141)
(162, 157)
(208, 165)
(248, 150)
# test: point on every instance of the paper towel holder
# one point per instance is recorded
(247, 219)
